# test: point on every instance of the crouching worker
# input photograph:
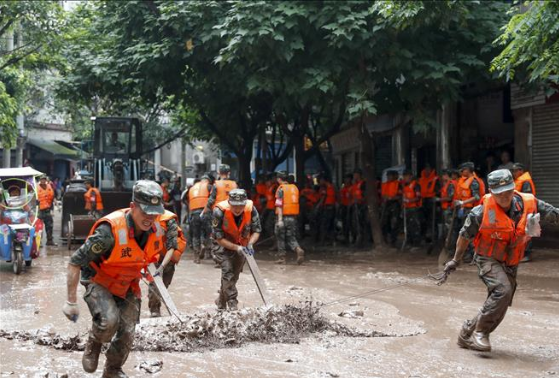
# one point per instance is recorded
(119, 246)
(175, 244)
(236, 225)
(500, 229)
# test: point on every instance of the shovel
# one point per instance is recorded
(443, 255)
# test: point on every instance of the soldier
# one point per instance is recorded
(470, 190)
(411, 202)
(45, 195)
(287, 210)
(93, 200)
(260, 196)
(308, 200)
(268, 218)
(236, 225)
(165, 188)
(523, 183)
(118, 247)
(359, 206)
(326, 209)
(344, 208)
(507, 213)
(175, 244)
(429, 183)
(198, 196)
(391, 192)
(222, 186)
(446, 199)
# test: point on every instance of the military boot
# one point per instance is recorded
(113, 372)
(300, 255)
(51, 242)
(232, 305)
(465, 335)
(480, 342)
(220, 302)
(90, 358)
(280, 261)
(196, 256)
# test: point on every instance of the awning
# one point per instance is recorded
(54, 148)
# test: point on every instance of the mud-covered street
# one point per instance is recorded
(417, 323)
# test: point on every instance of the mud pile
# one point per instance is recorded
(277, 324)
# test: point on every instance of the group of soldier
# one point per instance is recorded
(112, 261)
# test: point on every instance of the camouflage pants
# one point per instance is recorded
(287, 235)
(447, 224)
(344, 216)
(154, 300)
(413, 224)
(326, 223)
(390, 221)
(360, 223)
(268, 220)
(231, 267)
(501, 286)
(114, 321)
(46, 217)
(198, 230)
(429, 218)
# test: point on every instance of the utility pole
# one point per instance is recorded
(20, 143)
(6, 150)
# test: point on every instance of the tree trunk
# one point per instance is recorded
(369, 172)
(245, 181)
(299, 144)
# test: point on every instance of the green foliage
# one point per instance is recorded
(531, 45)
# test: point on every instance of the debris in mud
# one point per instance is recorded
(276, 324)
(151, 367)
(351, 314)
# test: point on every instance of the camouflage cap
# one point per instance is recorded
(500, 181)
(224, 168)
(518, 166)
(238, 197)
(149, 196)
(281, 174)
(467, 165)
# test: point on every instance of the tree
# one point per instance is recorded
(35, 29)
(530, 43)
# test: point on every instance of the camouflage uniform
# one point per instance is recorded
(447, 220)
(154, 300)
(390, 220)
(113, 318)
(413, 217)
(287, 235)
(499, 278)
(231, 262)
(462, 215)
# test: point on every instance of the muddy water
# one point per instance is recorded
(525, 345)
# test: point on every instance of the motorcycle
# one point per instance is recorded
(20, 229)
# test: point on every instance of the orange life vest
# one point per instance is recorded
(444, 193)
(519, 182)
(239, 235)
(498, 236)
(290, 199)
(198, 196)
(389, 188)
(181, 240)
(223, 188)
(427, 184)
(357, 192)
(271, 196)
(410, 193)
(98, 200)
(329, 192)
(345, 195)
(122, 270)
(45, 197)
(465, 192)
(166, 195)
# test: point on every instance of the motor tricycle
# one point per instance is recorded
(20, 229)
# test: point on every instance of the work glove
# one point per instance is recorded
(280, 224)
(240, 249)
(451, 266)
(159, 271)
(202, 216)
(71, 311)
(250, 250)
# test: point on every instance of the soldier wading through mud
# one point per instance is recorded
(119, 246)
(501, 226)
(236, 227)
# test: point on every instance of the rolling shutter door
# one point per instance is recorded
(545, 152)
